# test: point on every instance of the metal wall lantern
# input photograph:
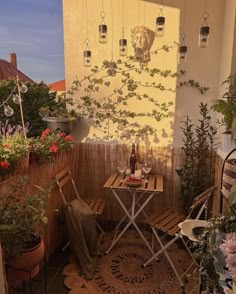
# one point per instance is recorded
(123, 47)
(102, 30)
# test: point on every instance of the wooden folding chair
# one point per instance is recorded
(97, 206)
(167, 222)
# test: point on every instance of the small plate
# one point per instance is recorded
(133, 184)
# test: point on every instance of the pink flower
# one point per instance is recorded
(53, 148)
(69, 138)
(229, 244)
(4, 164)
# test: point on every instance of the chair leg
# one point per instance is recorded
(163, 249)
(101, 232)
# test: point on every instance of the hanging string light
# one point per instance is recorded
(204, 30)
(160, 22)
(102, 28)
(123, 41)
(87, 51)
(16, 98)
(182, 54)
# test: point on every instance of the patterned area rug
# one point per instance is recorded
(121, 271)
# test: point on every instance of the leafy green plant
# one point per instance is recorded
(22, 216)
(207, 248)
(59, 109)
(227, 105)
(12, 148)
(197, 172)
(37, 96)
(49, 144)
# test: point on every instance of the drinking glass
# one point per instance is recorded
(121, 167)
(147, 168)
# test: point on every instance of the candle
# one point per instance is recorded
(138, 173)
(128, 171)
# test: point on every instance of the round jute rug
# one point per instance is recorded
(121, 271)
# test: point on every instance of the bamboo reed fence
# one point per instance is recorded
(91, 165)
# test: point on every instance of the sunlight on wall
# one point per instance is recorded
(136, 13)
(202, 65)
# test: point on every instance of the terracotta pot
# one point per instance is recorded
(27, 264)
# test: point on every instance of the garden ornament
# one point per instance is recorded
(142, 39)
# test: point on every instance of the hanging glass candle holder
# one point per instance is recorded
(16, 98)
(87, 55)
(23, 88)
(8, 111)
(160, 24)
(182, 56)
(123, 47)
(182, 53)
(102, 30)
(204, 32)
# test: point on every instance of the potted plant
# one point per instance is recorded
(22, 223)
(57, 116)
(49, 144)
(227, 107)
(14, 150)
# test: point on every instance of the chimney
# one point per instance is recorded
(13, 60)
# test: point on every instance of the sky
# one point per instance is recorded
(33, 29)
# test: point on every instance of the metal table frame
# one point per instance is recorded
(150, 187)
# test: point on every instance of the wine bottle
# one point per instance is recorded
(133, 159)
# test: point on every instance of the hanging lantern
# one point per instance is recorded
(160, 26)
(87, 55)
(23, 88)
(203, 37)
(123, 47)
(102, 30)
(204, 32)
(16, 98)
(87, 58)
(182, 56)
(8, 111)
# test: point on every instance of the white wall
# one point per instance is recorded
(207, 66)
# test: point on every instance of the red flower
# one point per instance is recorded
(45, 133)
(6, 146)
(53, 148)
(61, 134)
(4, 164)
(69, 138)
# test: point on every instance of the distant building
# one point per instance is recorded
(58, 86)
(9, 70)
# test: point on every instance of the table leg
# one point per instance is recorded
(132, 218)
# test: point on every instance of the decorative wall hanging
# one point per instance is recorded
(183, 49)
(142, 39)
(160, 22)
(123, 41)
(102, 27)
(204, 30)
(87, 51)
